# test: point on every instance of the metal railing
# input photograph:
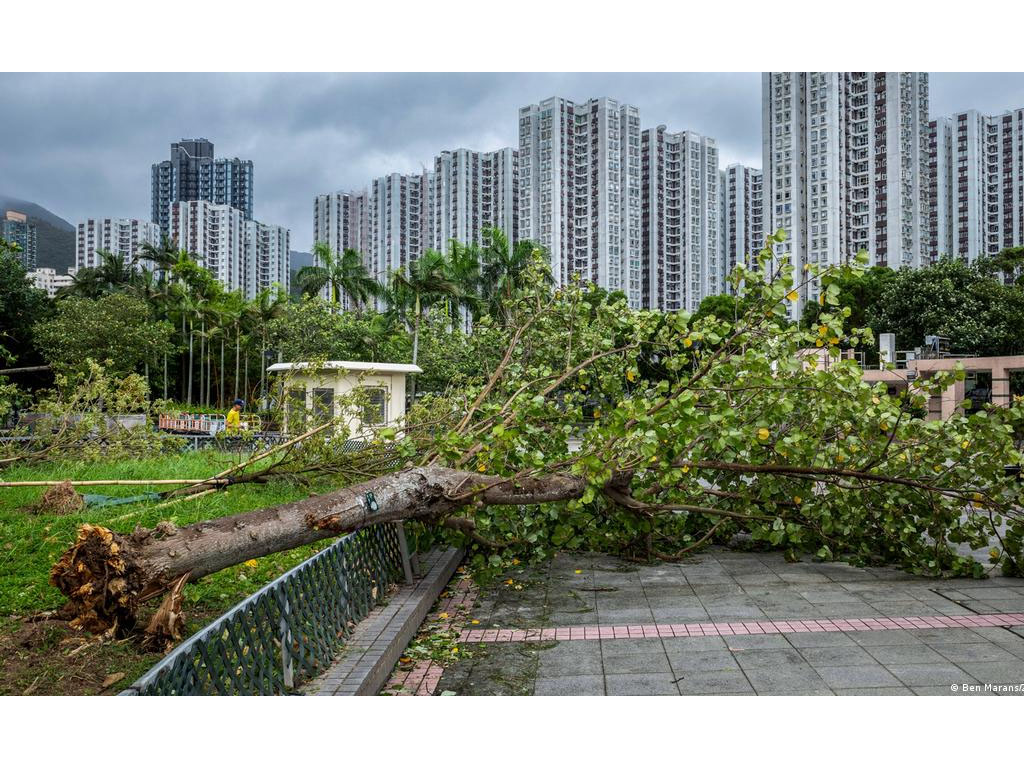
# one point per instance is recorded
(291, 629)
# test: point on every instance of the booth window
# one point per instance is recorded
(375, 408)
(323, 404)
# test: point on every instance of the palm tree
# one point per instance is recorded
(343, 275)
(428, 282)
(504, 270)
(464, 270)
(258, 313)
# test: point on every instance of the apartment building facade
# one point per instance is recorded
(49, 280)
(681, 252)
(267, 259)
(193, 173)
(580, 190)
(976, 183)
(742, 219)
(471, 192)
(124, 237)
(16, 228)
(341, 221)
(399, 220)
(846, 167)
(243, 255)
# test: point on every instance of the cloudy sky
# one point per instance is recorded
(82, 144)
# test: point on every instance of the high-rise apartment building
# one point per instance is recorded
(245, 256)
(267, 259)
(941, 193)
(399, 222)
(681, 248)
(956, 212)
(976, 204)
(742, 221)
(579, 190)
(471, 192)
(124, 237)
(215, 235)
(1004, 181)
(193, 173)
(16, 228)
(846, 167)
(341, 220)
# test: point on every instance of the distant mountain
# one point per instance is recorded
(55, 237)
(301, 259)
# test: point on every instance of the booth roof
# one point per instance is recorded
(351, 365)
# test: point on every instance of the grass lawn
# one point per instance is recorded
(49, 658)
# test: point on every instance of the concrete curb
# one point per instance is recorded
(377, 642)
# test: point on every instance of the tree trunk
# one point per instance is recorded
(220, 375)
(106, 575)
(263, 372)
(190, 335)
(415, 351)
(202, 361)
(165, 375)
(238, 342)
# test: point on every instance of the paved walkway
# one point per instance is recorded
(733, 623)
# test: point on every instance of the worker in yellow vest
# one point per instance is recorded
(233, 421)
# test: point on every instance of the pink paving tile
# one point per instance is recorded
(576, 633)
(709, 629)
(547, 634)
(738, 629)
(753, 628)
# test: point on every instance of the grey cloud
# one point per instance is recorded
(82, 144)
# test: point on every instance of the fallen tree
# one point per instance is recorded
(700, 430)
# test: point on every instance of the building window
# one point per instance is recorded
(374, 410)
(323, 404)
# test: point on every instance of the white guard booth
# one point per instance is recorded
(318, 387)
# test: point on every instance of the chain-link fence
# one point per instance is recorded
(290, 630)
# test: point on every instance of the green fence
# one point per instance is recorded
(290, 630)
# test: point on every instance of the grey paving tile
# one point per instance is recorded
(857, 676)
(622, 646)
(885, 637)
(636, 663)
(575, 685)
(755, 658)
(733, 612)
(836, 655)
(901, 691)
(918, 653)
(987, 593)
(950, 635)
(622, 616)
(641, 685)
(702, 661)
(670, 616)
(787, 679)
(1001, 672)
(571, 619)
(980, 652)
(1014, 605)
(929, 674)
(758, 578)
(692, 644)
(715, 682)
(569, 665)
(748, 642)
